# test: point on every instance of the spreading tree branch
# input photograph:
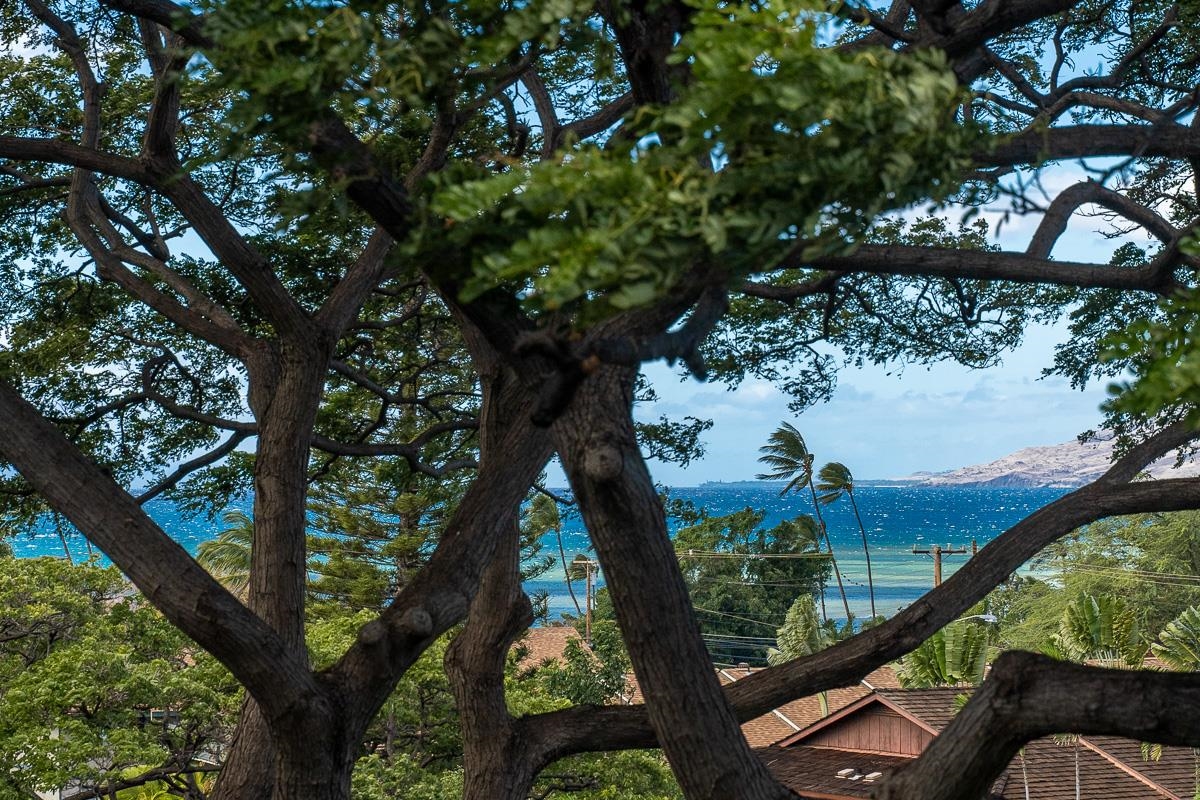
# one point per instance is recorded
(1027, 696)
(169, 578)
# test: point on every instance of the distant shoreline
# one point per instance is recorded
(873, 483)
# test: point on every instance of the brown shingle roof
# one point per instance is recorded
(1173, 770)
(1110, 768)
(798, 714)
(816, 769)
(1049, 768)
(935, 707)
(545, 644)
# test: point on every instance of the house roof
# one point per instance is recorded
(822, 772)
(545, 644)
(548, 644)
(1109, 767)
(798, 714)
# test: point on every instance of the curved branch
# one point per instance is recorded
(171, 16)
(981, 265)
(1114, 77)
(188, 467)
(244, 261)
(989, 19)
(1027, 696)
(169, 578)
(1054, 223)
(201, 317)
(167, 61)
(57, 151)
(577, 730)
(356, 285)
(1086, 141)
(410, 451)
(601, 120)
(194, 414)
(543, 104)
(788, 295)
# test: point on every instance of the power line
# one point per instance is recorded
(733, 636)
(1181, 581)
(725, 582)
(743, 556)
(772, 626)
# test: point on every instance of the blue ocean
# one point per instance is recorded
(897, 520)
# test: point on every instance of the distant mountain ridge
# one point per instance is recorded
(1059, 466)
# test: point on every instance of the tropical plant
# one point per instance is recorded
(1152, 561)
(227, 556)
(954, 656)
(742, 578)
(282, 226)
(1099, 628)
(1178, 647)
(788, 458)
(97, 690)
(802, 634)
(833, 481)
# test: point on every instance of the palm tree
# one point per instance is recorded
(788, 458)
(1097, 628)
(1178, 645)
(833, 481)
(542, 517)
(227, 557)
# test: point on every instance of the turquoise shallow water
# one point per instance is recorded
(896, 519)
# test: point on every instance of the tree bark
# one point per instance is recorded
(577, 730)
(1027, 696)
(496, 760)
(285, 392)
(692, 720)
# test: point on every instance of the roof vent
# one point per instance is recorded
(845, 773)
(872, 776)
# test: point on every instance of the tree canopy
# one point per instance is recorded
(393, 256)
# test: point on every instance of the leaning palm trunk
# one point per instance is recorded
(866, 553)
(837, 573)
(562, 554)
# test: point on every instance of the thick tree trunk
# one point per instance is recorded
(315, 756)
(496, 760)
(246, 773)
(313, 752)
(285, 392)
(695, 725)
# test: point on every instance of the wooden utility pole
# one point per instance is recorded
(937, 552)
(588, 565)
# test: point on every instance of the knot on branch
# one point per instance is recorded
(416, 622)
(603, 462)
(573, 360)
(372, 634)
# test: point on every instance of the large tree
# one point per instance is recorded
(248, 244)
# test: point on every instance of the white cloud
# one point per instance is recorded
(882, 425)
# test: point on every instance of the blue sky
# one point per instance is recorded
(885, 425)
